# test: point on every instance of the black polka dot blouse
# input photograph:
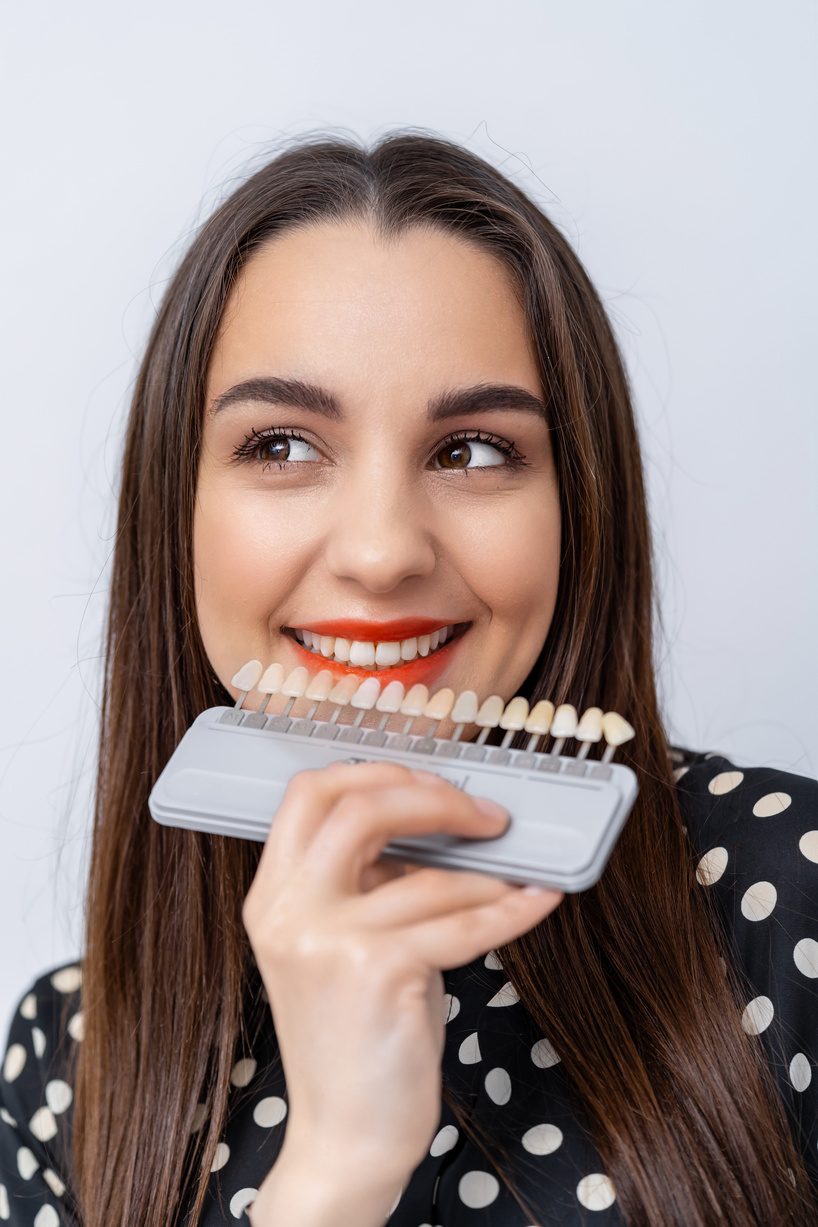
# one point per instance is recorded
(755, 835)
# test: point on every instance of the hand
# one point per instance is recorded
(351, 951)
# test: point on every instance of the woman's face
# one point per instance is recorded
(376, 467)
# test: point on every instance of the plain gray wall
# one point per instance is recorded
(673, 143)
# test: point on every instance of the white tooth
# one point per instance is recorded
(327, 645)
(434, 640)
(342, 650)
(409, 649)
(445, 634)
(362, 654)
(387, 653)
(424, 642)
(304, 637)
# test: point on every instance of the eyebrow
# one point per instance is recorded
(454, 403)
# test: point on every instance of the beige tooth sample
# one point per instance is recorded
(319, 690)
(294, 686)
(539, 721)
(589, 730)
(340, 695)
(246, 679)
(563, 726)
(488, 717)
(513, 719)
(271, 682)
(616, 731)
(387, 654)
(391, 698)
(361, 655)
(342, 647)
(365, 697)
(414, 704)
(438, 708)
(463, 712)
(424, 642)
(409, 648)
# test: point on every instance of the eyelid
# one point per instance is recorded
(514, 458)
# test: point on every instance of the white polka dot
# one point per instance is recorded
(469, 1051)
(14, 1062)
(241, 1200)
(243, 1072)
(38, 1041)
(58, 1096)
(711, 866)
(808, 844)
(757, 1015)
(5, 1210)
(596, 1192)
(26, 1163)
(679, 772)
(68, 980)
(445, 1139)
(43, 1125)
(46, 1216)
(542, 1139)
(478, 1189)
(543, 1055)
(8, 1118)
(726, 781)
(507, 995)
(199, 1117)
(270, 1111)
(492, 961)
(28, 1007)
(53, 1181)
(773, 803)
(76, 1027)
(220, 1157)
(498, 1085)
(758, 901)
(800, 1071)
(806, 957)
(451, 1007)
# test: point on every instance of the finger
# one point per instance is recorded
(363, 822)
(459, 938)
(423, 895)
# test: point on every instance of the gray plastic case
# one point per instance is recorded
(228, 779)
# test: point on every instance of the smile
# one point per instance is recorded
(372, 653)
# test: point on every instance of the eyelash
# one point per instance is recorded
(247, 451)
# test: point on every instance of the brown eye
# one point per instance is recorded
(455, 456)
(277, 450)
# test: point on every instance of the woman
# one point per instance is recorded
(382, 398)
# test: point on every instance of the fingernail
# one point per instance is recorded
(534, 890)
(491, 809)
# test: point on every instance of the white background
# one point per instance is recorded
(675, 145)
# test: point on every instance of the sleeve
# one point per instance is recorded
(755, 835)
(36, 1099)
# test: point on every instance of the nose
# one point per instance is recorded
(381, 535)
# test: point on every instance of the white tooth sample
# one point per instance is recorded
(439, 705)
(272, 679)
(366, 696)
(362, 654)
(565, 721)
(296, 682)
(391, 697)
(327, 645)
(540, 718)
(409, 649)
(342, 650)
(589, 728)
(248, 675)
(615, 727)
(320, 686)
(415, 701)
(424, 642)
(465, 709)
(387, 654)
(434, 640)
(307, 637)
(343, 691)
(491, 709)
(513, 718)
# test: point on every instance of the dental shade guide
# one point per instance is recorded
(228, 774)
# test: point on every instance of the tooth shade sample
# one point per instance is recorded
(616, 729)
(590, 726)
(415, 701)
(248, 675)
(343, 692)
(424, 643)
(440, 705)
(362, 655)
(465, 709)
(366, 695)
(565, 721)
(391, 698)
(409, 649)
(539, 718)
(490, 712)
(387, 653)
(514, 715)
(320, 686)
(272, 680)
(296, 683)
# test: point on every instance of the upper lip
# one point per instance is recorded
(376, 632)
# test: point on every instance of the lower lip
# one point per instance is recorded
(422, 670)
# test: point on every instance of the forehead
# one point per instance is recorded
(341, 302)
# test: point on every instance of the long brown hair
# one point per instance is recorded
(625, 979)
